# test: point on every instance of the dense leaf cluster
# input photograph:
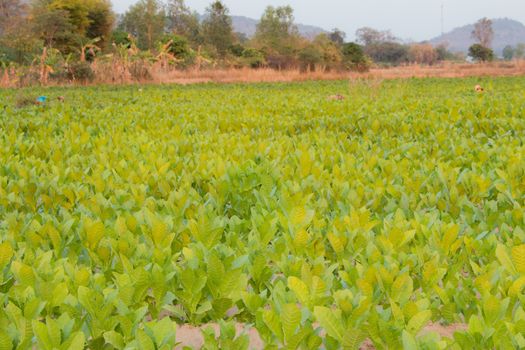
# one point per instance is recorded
(127, 212)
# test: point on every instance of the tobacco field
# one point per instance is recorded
(129, 212)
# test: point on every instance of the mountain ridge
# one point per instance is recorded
(248, 26)
(506, 32)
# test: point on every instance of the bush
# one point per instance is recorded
(423, 54)
(354, 58)
(60, 75)
(22, 101)
(309, 57)
(388, 52)
(120, 37)
(81, 72)
(443, 54)
(253, 58)
(139, 71)
(508, 53)
(27, 78)
(237, 50)
(178, 47)
(481, 53)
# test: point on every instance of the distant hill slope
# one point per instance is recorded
(506, 32)
(248, 26)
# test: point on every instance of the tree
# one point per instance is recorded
(369, 36)
(121, 37)
(309, 57)
(177, 45)
(10, 12)
(146, 21)
(242, 38)
(519, 51)
(67, 24)
(19, 45)
(17, 42)
(331, 56)
(508, 53)
(480, 53)
(483, 32)
(382, 46)
(443, 54)
(182, 21)
(277, 36)
(101, 21)
(55, 29)
(354, 57)
(423, 54)
(77, 11)
(253, 58)
(337, 36)
(217, 28)
(388, 52)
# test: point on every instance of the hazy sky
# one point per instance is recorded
(408, 19)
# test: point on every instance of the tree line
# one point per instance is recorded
(72, 33)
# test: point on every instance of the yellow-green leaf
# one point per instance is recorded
(331, 321)
(290, 319)
(504, 259)
(300, 289)
(418, 321)
(518, 257)
(159, 232)
(6, 253)
(94, 233)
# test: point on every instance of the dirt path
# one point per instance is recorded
(191, 336)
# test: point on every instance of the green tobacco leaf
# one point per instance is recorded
(290, 319)
(76, 342)
(6, 253)
(518, 257)
(5, 341)
(300, 289)
(163, 332)
(42, 336)
(114, 339)
(23, 273)
(418, 321)
(409, 342)
(353, 338)
(300, 217)
(144, 341)
(504, 259)
(402, 289)
(272, 321)
(331, 321)
(94, 233)
(293, 342)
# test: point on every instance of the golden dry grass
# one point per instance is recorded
(115, 73)
(246, 75)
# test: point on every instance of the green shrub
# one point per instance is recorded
(253, 58)
(481, 53)
(80, 71)
(354, 58)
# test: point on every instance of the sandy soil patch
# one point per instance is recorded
(191, 336)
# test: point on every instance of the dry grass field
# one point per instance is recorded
(117, 74)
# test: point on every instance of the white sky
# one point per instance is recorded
(408, 19)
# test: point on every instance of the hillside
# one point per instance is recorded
(248, 25)
(506, 32)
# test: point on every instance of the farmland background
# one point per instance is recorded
(390, 219)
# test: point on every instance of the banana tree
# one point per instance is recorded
(88, 47)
